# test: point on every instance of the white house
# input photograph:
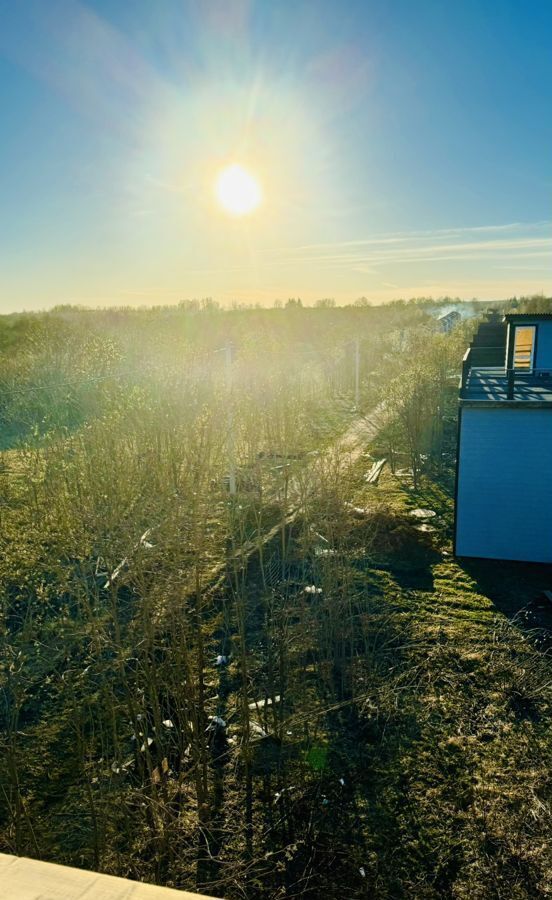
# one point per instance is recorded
(504, 465)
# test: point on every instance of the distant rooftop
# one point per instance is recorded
(526, 317)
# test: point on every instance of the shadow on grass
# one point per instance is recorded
(409, 560)
(414, 579)
(515, 588)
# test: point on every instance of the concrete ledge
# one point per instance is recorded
(30, 879)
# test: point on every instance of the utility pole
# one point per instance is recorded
(230, 422)
(357, 372)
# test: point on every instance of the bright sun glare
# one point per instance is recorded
(237, 190)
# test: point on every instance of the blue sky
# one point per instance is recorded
(403, 148)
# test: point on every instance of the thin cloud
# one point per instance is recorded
(427, 246)
(402, 237)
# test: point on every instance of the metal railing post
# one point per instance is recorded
(510, 388)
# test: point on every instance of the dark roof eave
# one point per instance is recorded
(526, 317)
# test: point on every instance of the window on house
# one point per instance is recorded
(524, 346)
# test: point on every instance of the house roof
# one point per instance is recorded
(526, 317)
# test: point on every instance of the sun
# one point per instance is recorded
(237, 190)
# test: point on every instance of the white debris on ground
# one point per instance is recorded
(312, 589)
(422, 513)
(319, 536)
(360, 511)
(261, 704)
(279, 794)
(143, 542)
(257, 731)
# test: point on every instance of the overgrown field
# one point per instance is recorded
(292, 690)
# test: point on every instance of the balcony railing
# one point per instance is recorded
(480, 357)
(519, 378)
(489, 362)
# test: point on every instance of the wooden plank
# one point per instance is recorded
(375, 471)
(31, 879)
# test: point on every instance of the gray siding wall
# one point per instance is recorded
(544, 345)
(504, 495)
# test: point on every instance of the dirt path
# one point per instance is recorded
(351, 444)
(360, 432)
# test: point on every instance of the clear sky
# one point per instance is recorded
(403, 148)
